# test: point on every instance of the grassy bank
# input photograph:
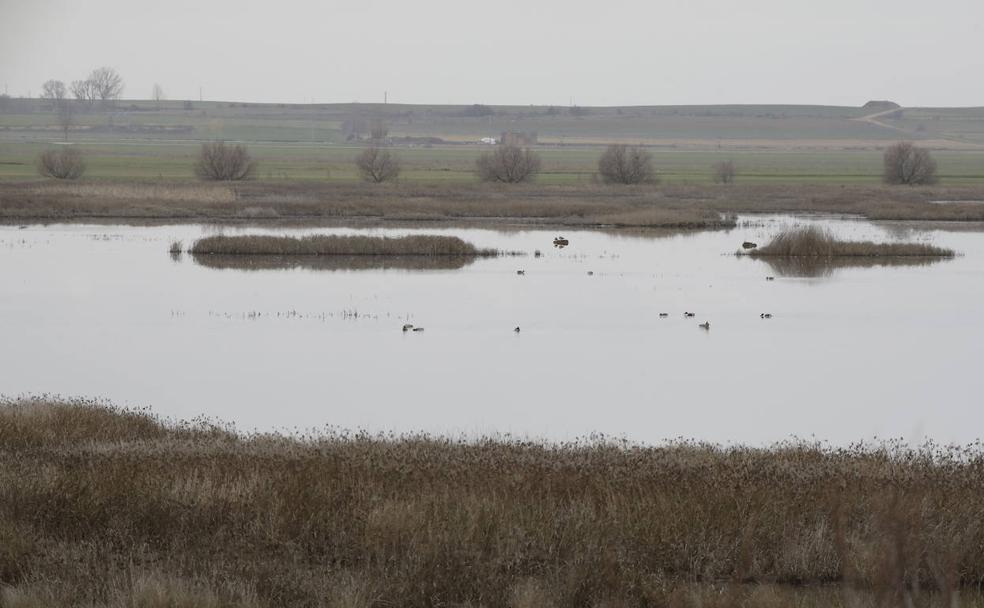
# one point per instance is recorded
(104, 507)
(817, 242)
(338, 245)
(587, 205)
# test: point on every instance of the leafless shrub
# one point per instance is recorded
(220, 162)
(621, 164)
(909, 165)
(83, 90)
(724, 172)
(508, 164)
(66, 162)
(377, 165)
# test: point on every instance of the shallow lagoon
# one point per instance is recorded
(851, 352)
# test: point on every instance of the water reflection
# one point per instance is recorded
(332, 263)
(823, 267)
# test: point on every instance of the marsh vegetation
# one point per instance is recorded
(102, 506)
(338, 245)
(818, 242)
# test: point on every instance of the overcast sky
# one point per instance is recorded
(609, 52)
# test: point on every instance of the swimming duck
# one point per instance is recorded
(407, 327)
(590, 273)
(517, 329)
(770, 278)
(418, 329)
(663, 315)
(689, 314)
(522, 272)
(705, 325)
(766, 315)
(749, 245)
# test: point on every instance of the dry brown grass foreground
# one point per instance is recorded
(338, 245)
(588, 205)
(103, 507)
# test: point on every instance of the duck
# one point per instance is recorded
(705, 325)
(561, 241)
(407, 327)
(663, 315)
(770, 278)
(516, 329)
(590, 273)
(749, 245)
(418, 329)
(766, 315)
(689, 314)
(521, 272)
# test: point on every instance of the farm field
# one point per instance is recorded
(796, 144)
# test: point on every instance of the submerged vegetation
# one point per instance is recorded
(817, 242)
(102, 507)
(338, 245)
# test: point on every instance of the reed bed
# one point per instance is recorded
(580, 205)
(338, 245)
(106, 507)
(817, 242)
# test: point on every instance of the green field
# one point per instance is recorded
(144, 140)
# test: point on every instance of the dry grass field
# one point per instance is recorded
(103, 507)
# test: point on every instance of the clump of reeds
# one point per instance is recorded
(814, 241)
(101, 506)
(340, 245)
(177, 247)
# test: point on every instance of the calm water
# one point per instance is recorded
(851, 353)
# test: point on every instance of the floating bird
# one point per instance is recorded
(749, 245)
(418, 329)
(407, 327)
(561, 242)
(21, 227)
(704, 325)
(590, 273)
(522, 272)
(537, 253)
(663, 315)
(766, 315)
(517, 329)
(770, 278)
(689, 314)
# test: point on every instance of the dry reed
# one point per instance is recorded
(338, 245)
(817, 242)
(100, 507)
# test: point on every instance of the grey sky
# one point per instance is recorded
(609, 52)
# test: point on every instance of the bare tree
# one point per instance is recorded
(508, 164)
(725, 171)
(377, 165)
(82, 90)
(621, 164)
(65, 162)
(219, 162)
(53, 90)
(909, 165)
(158, 95)
(106, 83)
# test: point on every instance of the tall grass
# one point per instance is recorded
(338, 245)
(99, 506)
(815, 241)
